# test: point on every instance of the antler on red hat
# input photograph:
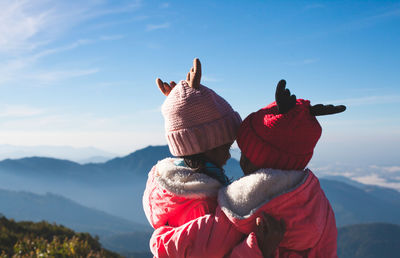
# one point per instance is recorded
(285, 101)
(322, 110)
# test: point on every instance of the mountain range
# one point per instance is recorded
(82, 155)
(50, 207)
(105, 198)
(116, 186)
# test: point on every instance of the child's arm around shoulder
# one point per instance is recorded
(209, 235)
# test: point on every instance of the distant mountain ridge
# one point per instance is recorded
(111, 185)
(136, 164)
(55, 208)
(353, 205)
(77, 154)
(114, 186)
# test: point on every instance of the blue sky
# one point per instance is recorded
(81, 73)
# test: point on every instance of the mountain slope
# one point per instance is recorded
(139, 162)
(117, 170)
(54, 208)
(369, 241)
(353, 205)
(379, 192)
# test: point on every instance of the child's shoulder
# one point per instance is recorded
(174, 176)
(176, 194)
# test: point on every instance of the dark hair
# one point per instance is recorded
(196, 162)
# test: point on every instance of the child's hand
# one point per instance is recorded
(164, 87)
(269, 234)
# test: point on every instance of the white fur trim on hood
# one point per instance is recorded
(184, 181)
(244, 196)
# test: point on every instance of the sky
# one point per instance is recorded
(82, 73)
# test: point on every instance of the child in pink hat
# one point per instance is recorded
(200, 127)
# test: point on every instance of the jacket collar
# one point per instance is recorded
(183, 181)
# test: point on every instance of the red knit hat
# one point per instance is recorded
(281, 141)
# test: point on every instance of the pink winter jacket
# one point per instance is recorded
(181, 206)
(295, 196)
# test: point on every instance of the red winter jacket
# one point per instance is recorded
(295, 196)
(181, 205)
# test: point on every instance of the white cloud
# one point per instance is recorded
(392, 169)
(112, 37)
(375, 179)
(20, 22)
(24, 21)
(388, 169)
(382, 14)
(52, 76)
(30, 29)
(331, 171)
(386, 14)
(51, 51)
(17, 69)
(370, 100)
(151, 27)
(19, 111)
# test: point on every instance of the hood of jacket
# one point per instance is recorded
(174, 192)
(295, 196)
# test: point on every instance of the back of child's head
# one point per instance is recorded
(197, 119)
(283, 134)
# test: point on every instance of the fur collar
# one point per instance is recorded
(183, 181)
(244, 196)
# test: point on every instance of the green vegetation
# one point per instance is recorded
(29, 239)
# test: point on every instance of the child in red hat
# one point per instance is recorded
(277, 142)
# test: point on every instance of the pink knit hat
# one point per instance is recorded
(197, 120)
